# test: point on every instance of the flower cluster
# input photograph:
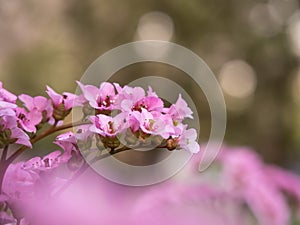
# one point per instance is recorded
(140, 116)
(114, 117)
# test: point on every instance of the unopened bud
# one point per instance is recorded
(111, 142)
(59, 113)
(171, 144)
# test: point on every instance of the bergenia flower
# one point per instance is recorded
(48, 162)
(7, 111)
(101, 98)
(29, 120)
(19, 183)
(5, 218)
(67, 142)
(134, 99)
(6, 95)
(62, 104)
(192, 204)
(149, 124)
(133, 94)
(244, 174)
(12, 133)
(287, 182)
(179, 110)
(186, 138)
(39, 104)
(107, 125)
(66, 99)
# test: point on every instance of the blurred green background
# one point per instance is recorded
(252, 46)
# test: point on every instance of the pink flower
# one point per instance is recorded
(179, 204)
(244, 174)
(155, 125)
(66, 99)
(108, 126)
(101, 98)
(13, 134)
(128, 93)
(6, 95)
(186, 138)
(29, 120)
(48, 162)
(19, 183)
(71, 155)
(38, 103)
(134, 99)
(179, 110)
(67, 142)
(285, 181)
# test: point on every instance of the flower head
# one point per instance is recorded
(6, 95)
(10, 132)
(155, 124)
(101, 98)
(179, 110)
(107, 125)
(185, 138)
(134, 99)
(62, 104)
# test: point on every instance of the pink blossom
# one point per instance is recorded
(48, 162)
(179, 110)
(244, 174)
(6, 105)
(38, 103)
(7, 111)
(285, 181)
(5, 218)
(29, 120)
(71, 155)
(187, 138)
(134, 99)
(107, 125)
(179, 204)
(155, 125)
(18, 183)
(67, 142)
(15, 134)
(6, 95)
(101, 98)
(128, 93)
(68, 100)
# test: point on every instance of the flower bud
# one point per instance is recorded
(110, 142)
(60, 112)
(171, 144)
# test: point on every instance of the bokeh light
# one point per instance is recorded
(296, 86)
(265, 20)
(237, 79)
(293, 32)
(155, 26)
